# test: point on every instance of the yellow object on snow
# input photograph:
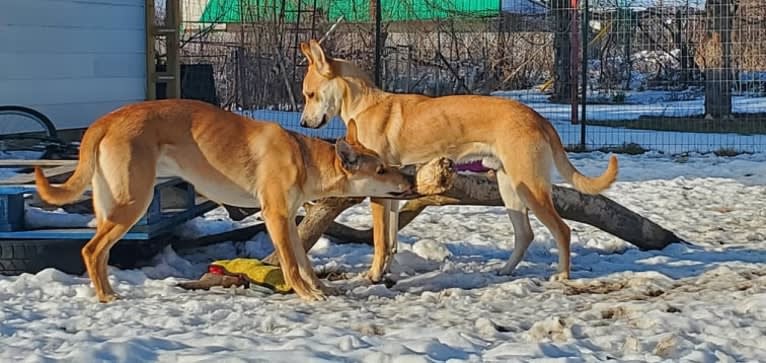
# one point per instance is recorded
(256, 272)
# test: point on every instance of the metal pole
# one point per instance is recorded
(573, 54)
(378, 44)
(151, 65)
(584, 65)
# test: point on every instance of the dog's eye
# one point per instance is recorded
(380, 170)
(310, 95)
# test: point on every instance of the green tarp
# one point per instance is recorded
(231, 11)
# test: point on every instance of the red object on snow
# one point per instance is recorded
(217, 270)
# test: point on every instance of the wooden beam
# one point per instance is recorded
(151, 89)
(171, 30)
(40, 162)
(30, 178)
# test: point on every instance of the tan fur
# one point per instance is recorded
(409, 129)
(228, 158)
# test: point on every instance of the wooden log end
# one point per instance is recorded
(435, 177)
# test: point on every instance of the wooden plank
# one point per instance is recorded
(78, 114)
(67, 233)
(151, 91)
(69, 66)
(173, 21)
(21, 179)
(39, 162)
(174, 219)
(73, 14)
(138, 232)
(74, 90)
(48, 41)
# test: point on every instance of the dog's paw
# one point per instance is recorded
(560, 276)
(308, 293)
(374, 276)
(505, 270)
(108, 297)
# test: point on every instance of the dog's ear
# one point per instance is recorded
(319, 59)
(347, 155)
(351, 133)
(306, 50)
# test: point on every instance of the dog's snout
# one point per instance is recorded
(303, 122)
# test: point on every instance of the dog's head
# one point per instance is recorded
(323, 85)
(321, 90)
(366, 174)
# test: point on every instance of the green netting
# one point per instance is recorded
(230, 11)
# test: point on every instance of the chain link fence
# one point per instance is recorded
(673, 76)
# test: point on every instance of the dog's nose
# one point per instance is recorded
(303, 122)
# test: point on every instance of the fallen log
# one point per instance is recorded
(434, 177)
(596, 210)
(481, 189)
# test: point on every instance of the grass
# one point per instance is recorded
(744, 124)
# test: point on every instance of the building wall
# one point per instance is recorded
(73, 60)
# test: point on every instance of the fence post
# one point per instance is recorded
(573, 53)
(584, 68)
(378, 45)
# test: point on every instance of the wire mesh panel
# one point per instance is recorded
(668, 75)
(677, 75)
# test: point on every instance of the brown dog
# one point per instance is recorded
(409, 129)
(228, 158)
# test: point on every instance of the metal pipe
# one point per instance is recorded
(378, 45)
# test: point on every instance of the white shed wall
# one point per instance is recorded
(73, 60)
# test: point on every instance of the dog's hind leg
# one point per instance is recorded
(529, 176)
(519, 215)
(542, 206)
(120, 198)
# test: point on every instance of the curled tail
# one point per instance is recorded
(580, 182)
(73, 188)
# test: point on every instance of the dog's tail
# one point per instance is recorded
(580, 182)
(73, 188)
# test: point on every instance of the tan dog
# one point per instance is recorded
(228, 158)
(409, 129)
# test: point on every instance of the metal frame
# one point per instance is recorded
(155, 222)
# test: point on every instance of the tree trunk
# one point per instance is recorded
(562, 83)
(595, 210)
(718, 70)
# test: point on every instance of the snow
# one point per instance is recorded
(645, 103)
(700, 302)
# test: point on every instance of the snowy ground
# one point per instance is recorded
(700, 303)
(646, 103)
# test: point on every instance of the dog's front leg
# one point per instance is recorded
(385, 225)
(304, 264)
(289, 250)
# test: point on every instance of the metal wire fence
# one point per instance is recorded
(668, 75)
